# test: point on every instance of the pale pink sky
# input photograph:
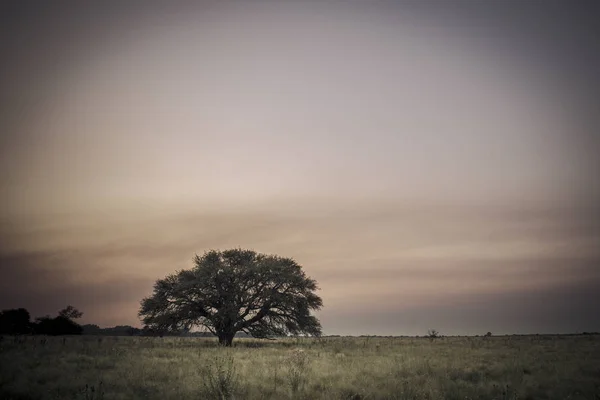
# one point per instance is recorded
(426, 171)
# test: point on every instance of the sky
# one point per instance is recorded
(432, 164)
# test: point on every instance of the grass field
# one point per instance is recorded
(510, 367)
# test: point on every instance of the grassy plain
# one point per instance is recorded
(505, 367)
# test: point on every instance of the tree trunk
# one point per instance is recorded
(226, 338)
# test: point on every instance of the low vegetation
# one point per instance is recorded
(491, 367)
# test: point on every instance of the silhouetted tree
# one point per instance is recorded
(232, 291)
(70, 312)
(63, 324)
(57, 326)
(119, 330)
(15, 322)
(433, 334)
(131, 331)
(91, 329)
(149, 331)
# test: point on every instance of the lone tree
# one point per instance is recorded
(433, 334)
(235, 291)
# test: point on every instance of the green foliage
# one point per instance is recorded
(235, 291)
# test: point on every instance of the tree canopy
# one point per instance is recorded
(63, 324)
(70, 312)
(15, 322)
(235, 291)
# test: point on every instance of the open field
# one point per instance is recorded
(510, 367)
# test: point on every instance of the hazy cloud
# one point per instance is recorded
(45, 283)
(366, 261)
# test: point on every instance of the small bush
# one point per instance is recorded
(297, 368)
(91, 392)
(220, 377)
(433, 334)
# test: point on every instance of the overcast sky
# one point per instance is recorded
(430, 164)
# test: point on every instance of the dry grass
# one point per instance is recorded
(534, 367)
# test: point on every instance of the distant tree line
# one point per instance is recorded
(127, 330)
(119, 330)
(18, 322)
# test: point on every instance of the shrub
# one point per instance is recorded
(220, 377)
(433, 334)
(297, 367)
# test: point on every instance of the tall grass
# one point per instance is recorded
(519, 367)
(220, 378)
